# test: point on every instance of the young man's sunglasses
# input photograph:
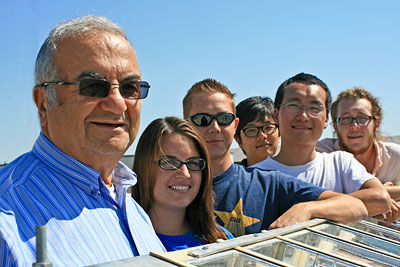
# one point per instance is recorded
(99, 88)
(204, 119)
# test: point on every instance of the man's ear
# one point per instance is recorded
(40, 98)
(326, 121)
(377, 125)
(334, 124)
(276, 115)
(236, 123)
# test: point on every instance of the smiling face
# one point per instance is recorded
(90, 128)
(355, 138)
(175, 189)
(260, 147)
(302, 128)
(218, 137)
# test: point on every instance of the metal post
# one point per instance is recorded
(41, 247)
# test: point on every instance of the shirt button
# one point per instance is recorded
(94, 192)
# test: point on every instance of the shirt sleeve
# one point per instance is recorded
(355, 174)
(293, 191)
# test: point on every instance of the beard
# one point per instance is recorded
(358, 149)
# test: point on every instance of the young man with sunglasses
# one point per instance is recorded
(356, 116)
(250, 200)
(302, 104)
(88, 94)
(257, 133)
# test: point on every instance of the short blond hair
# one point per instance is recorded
(207, 86)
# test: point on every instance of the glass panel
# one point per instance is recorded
(342, 249)
(376, 230)
(231, 259)
(350, 235)
(295, 255)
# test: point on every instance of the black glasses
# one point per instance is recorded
(99, 88)
(172, 163)
(361, 120)
(254, 131)
(204, 119)
(313, 109)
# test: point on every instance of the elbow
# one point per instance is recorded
(360, 212)
(387, 200)
(382, 201)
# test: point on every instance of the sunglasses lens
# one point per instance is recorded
(131, 89)
(94, 88)
(202, 119)
(135, 89)
(225, 118)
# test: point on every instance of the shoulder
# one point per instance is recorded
(327, 145)
(336, 155)
(268, 163)
(391, 148)
(18, 171)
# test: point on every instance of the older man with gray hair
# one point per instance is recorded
(87, 92)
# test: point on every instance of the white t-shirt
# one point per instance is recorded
(387, 164)
(337, 171)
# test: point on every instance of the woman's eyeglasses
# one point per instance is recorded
(100, 88)
(254, 131)
(172, 164)
(204, 119)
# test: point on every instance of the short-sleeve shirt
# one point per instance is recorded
(337, 171)
(249, 200)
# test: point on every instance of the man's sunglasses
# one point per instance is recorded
(99, 88)
(204, 119)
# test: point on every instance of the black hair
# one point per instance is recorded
(306, 79)
(253, 109)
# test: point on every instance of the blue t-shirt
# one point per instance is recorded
(188, 240)
(248, 200)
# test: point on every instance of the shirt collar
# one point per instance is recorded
(76, 172)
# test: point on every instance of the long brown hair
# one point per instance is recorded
(199, 213)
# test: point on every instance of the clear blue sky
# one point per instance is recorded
(251, 46)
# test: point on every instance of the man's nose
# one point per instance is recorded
(114, 102)
(214, 126)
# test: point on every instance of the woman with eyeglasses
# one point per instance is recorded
(174, 184)
(257, 134)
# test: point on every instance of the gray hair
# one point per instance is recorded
(45, 70)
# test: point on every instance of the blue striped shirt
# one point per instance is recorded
(84, 224)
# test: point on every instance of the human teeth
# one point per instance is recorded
(179, 187)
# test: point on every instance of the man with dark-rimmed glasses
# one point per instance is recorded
(257, 133)
(88, 94)
(302, 106)
(248, 201)
(357, 116)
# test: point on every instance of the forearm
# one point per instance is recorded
(330, 205)
(339, 207)
(377, 201)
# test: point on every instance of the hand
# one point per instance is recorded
(297, 213)
(392, 215)
(388, 184)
